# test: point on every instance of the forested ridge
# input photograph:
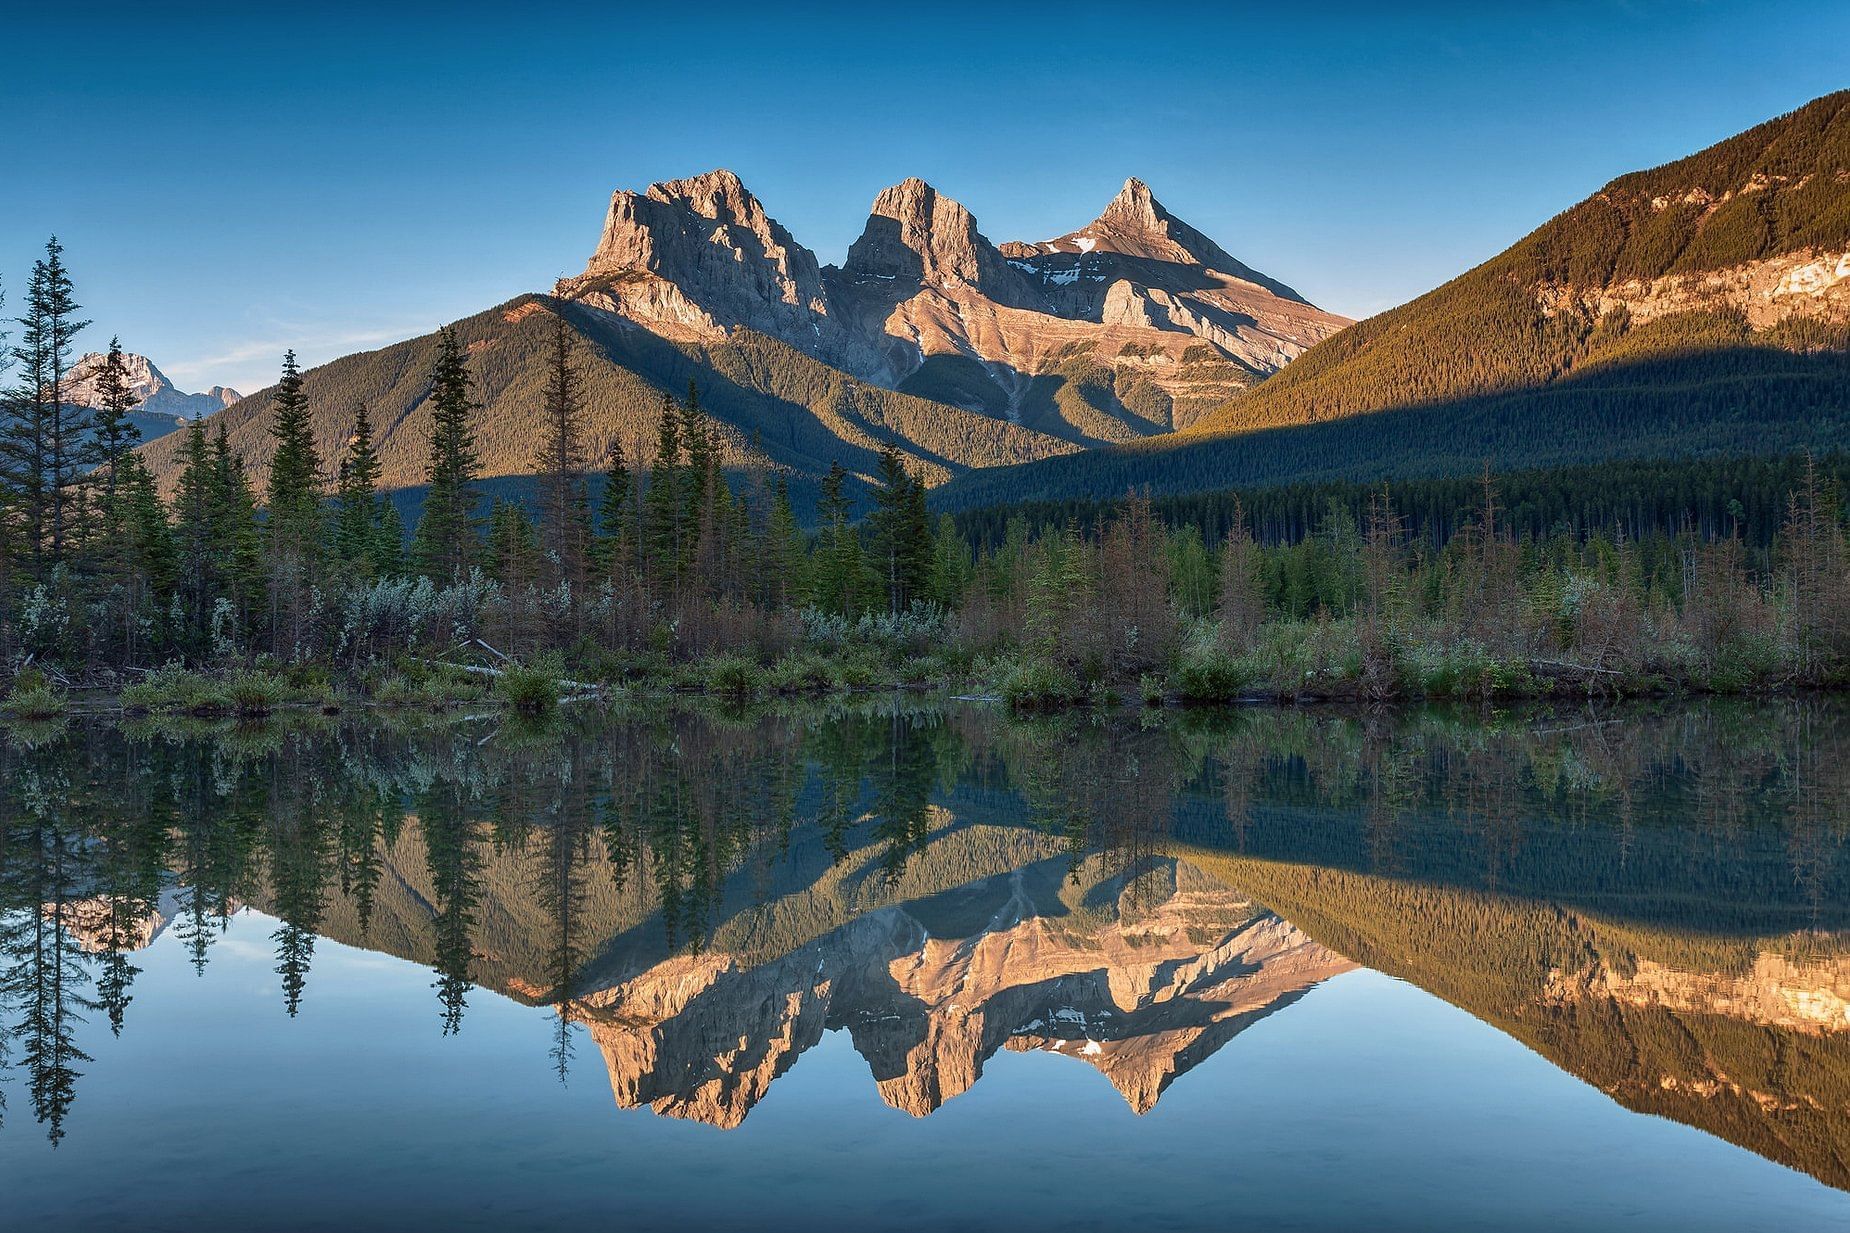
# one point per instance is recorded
(1516, 363)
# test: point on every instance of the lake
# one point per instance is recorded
(902, 964)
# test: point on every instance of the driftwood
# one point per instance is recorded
(584, 689)
(1564, 666)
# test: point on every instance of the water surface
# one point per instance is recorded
(896, 965)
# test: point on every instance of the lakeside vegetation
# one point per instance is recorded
(301, 587)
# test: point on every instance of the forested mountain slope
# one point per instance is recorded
(1697, 308)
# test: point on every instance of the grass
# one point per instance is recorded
(33, 697)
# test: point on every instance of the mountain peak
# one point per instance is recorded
(917, 234)
(151, 388)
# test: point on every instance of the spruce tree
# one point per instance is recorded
(116, 435)
(198, 568)
(901, 531)
(561, 466)
(358, 513)
(296, 520)
(42, 443)
(840, 570)
(236, 541)
(296, 526)
(614, 512)
(661, 512)
(447, 542)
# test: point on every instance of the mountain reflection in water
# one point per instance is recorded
(1653, 899)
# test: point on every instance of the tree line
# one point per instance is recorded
(1403, 589)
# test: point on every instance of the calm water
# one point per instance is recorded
(886, 967)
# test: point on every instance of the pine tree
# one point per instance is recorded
(194, 536)
(788, 553)
(662, 503)
(116, 435)
(561, 467)
(840, 570)
(514, 560)
(358, 511)
(446, 542)
(614, 513)
(236, 541)
(42, 443)
(296, 527)
(901, 532)
(296, 520)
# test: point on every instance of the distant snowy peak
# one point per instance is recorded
(154, 393)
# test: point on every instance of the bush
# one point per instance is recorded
(254, 693)
(533, 688)
(171, 689)
(35, 697)
(1039, 685)
(1211, 676)
(733, 676)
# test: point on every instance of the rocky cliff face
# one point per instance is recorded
(1163, 980)
(154, 393)
(1130, 326)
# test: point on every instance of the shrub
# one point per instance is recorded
(35, 697)
(1211, 676)
(734, 676)
(531, 687)
(171, 689)
(1039, 685)
(254, 693)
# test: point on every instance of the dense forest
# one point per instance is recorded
(654, 567)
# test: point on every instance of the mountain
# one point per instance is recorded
(161, 406)
(927, 336)
(1701, 307)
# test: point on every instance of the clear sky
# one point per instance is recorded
(229, 182)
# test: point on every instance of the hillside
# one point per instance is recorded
(1697, 308)
(775, 405)
(928, 337)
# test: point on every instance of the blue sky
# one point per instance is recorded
(232, 181)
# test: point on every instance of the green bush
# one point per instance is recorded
(734, 676)
(1039, 685)
(33, 696)
(172, 689)
(1211, 676)
(534, 687)
(254, 693)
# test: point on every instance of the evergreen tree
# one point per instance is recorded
(194, 532)
(235, 539)
(359, 514)
(446, 542)
(43, 439)
(901, 532)
(296, 522)
(662, 503)
(840, 569)
(116, 435)
(614, 512)
(561, 467)
(788, 553)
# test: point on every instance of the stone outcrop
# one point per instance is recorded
(1805, 284)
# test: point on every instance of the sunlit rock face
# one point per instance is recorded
(152, 391)
(1143, 980)
(1150, 318)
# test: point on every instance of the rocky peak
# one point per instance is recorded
(694, 258)
(1137, 226)
(917, 236)
(153, 392)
